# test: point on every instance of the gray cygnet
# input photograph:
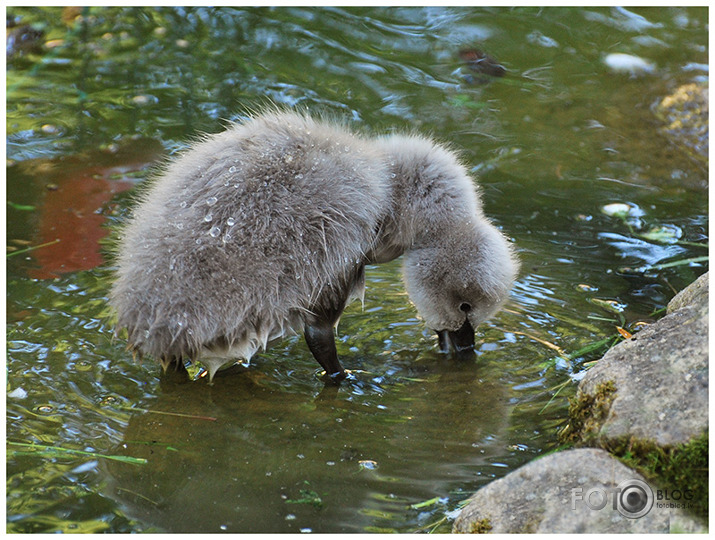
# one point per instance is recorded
(265, 230)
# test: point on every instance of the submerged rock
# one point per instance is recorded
(577, 491)
(685, 115)
(628, 63)
(654, 386)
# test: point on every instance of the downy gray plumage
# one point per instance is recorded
(265, 230)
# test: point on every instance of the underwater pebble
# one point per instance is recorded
(628, 63)
(621, 210)
(140, 100)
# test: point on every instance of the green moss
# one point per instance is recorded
(685, 115)
(677, 468)
(586, 412)
(681, 467)
(480, 526)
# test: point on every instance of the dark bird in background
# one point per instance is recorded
(265, 230)
(482, 63)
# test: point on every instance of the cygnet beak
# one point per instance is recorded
(462, 340)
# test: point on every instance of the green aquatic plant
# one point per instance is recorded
(672, 264)
(31, 248)
(32, 449)
(442, 525)
(21, 207)
(307, 496)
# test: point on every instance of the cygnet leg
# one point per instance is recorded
(320, 336)
(324, 315)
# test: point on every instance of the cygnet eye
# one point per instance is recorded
(464, 306)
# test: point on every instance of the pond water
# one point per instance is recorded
(96, 96)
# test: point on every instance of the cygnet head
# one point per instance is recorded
(458, 268)
(461, 281)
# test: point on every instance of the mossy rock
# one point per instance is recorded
(651, 387)
(682, 468)
(586, 413)
(685, 115)
(646, 400)
(548, 495)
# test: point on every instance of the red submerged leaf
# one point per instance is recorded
(72, 210)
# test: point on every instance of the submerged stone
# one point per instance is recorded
(685, 114)
(628, 63)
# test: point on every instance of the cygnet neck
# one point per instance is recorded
(431, 195)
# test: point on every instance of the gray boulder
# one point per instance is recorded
(694, 295)
(659, 378)
(548, 495)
